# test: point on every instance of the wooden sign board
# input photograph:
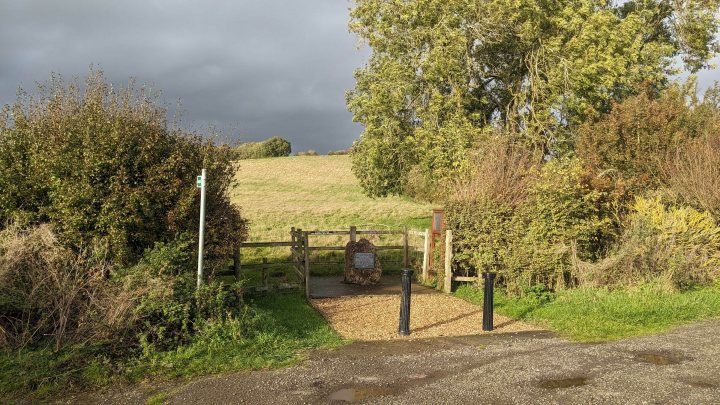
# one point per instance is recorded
(438, 221)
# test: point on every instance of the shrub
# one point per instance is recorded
(309, 152)
(694, 172)
(530, 226)
(104, 168)
(558, 224)
(633, 141)
(678, 246)
(482, 203)
(340, 152)
(272, 147)
(48, 291)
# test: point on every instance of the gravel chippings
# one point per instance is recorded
(432, 314)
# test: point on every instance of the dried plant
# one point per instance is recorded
(694, 172)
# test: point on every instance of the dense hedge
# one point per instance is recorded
(104, 168)
(272, 147)
(637, 203)
(99, 218)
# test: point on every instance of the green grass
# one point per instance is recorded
(316, 193)
(158, 399)
(596, 315)
(284, 326)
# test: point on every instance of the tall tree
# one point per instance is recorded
(444, 74)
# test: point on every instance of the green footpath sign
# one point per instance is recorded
(199, 181)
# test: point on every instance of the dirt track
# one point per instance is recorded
(682, 366)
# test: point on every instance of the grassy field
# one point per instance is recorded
(314, 193)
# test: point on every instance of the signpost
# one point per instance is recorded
(201, 184)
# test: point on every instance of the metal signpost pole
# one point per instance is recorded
(201, 183)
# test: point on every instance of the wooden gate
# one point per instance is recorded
(301, 259)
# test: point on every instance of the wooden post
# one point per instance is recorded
(265, 273)
(406, 252)
(236, 263)
(447, 285)
(298, 252)
(426, 257)
(306, 246)
(293, 249)
(353, 234)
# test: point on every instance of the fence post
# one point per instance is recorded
(426, 256)
(293, 249)
(447, 285)
(236, 263)
(406, 248)
(306, 248)
(353, 234)
(265, 273)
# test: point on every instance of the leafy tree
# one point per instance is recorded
(443, 71)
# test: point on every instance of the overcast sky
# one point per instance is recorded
(252, 68)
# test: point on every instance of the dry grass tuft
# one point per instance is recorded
(51, 292)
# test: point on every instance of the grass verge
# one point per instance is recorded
(596, 315)
(284, 326)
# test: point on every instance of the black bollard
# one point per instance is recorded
(488, 301)
(404, 328)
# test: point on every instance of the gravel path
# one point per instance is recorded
(372, 312)
(680, 367)
(375, 317)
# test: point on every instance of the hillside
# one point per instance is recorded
(314, 192)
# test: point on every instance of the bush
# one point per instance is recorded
(309, 152)
(694, 172)
(633, 141)
(48, 291)
(678, 246)
(102, 166)
(272, 147)
(559, 223)
(531, 227)
(51, 291)
(340, 152)
(481, 206)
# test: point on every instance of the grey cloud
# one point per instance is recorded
(251, 68)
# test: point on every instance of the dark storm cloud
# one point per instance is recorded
(253, 68)
(250, 68)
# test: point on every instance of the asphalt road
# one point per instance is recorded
(682, 366)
